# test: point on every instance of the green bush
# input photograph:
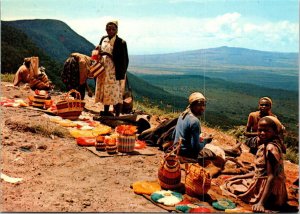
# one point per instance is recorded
(292, 155)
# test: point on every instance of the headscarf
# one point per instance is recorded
(194, 97)
(266, 98)
(115, 22)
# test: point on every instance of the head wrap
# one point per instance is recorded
(196, 96)
(115, 22)
(266, 98)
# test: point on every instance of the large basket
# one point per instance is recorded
(169, 172)
(197, 180)
(126, 143)
(70, 108)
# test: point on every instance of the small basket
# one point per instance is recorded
(39, 101)
(96, 70)
(126, 143)
(70, 108)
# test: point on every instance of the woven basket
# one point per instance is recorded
(70, 108)
(96, 70)
(39, 101)
(126, 143)
(197, 180)
(111, 149)
(169, 172)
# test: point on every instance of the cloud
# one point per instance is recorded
(171, 34)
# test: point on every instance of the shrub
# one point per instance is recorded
(7, 77)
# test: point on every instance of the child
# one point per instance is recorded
(265, 187)
(264, 106)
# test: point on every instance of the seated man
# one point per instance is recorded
(23, 74)
(188, 127)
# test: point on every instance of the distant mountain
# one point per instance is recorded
(54, 37)
(268, 69)
(222, 56)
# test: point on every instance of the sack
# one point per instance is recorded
(197, 180)
(127, 99)
(96, 70)
(169, 172)
(69, 108)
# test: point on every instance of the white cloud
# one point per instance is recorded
(171, 34)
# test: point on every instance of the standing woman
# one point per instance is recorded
(114, 56)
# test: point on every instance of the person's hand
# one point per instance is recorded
(258, 208)
(206, 137)
(90, 94)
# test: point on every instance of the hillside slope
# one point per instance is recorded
(16, 45)
(60, 176)
(234, 100)
(54, 37)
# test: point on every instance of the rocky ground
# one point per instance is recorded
(60, 176)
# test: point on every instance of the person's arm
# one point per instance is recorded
(195, 141)
(90, 93)
(260, 206)
(250, 124)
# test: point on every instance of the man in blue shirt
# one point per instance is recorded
(188, 127)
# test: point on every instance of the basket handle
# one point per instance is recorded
(174, 150)
(69, 101)
(77, 94)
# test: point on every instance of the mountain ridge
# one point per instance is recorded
(55, 37)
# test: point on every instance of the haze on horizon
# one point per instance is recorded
(165, 26)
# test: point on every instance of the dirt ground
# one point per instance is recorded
(60, 176)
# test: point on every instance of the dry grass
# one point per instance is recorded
(7, 77)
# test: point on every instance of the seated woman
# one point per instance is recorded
(265, 187)
(23, 75)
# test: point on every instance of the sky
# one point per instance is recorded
(165, 26)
